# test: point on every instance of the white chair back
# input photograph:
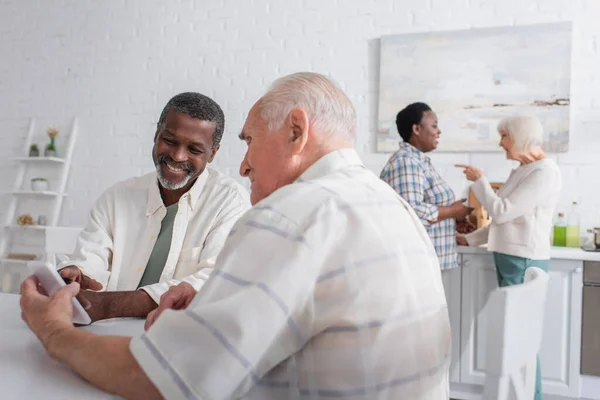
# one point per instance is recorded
(60, 242)
(514, 337)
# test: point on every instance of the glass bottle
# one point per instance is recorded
(573, 227)
(560, 231)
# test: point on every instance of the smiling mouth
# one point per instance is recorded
(174, 169)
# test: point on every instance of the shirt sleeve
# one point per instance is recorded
(94, 249)
(251, 315)
(408, 179)
(536, 186)
(212, 247)
(478, 237)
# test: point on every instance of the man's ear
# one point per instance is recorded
(213, 153)
(298, 129)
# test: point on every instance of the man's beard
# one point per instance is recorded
(168, 184)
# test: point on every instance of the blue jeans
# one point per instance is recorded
(510, 270)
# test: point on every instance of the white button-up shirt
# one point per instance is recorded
(328, 288)
(115, 246)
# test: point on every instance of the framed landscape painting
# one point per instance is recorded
(473, 78)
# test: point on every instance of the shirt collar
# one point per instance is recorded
(331, 162)
(409, 148)
(155, 201)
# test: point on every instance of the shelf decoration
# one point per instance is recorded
(25, 219)
(34, 151)
(39, 184)
(51, 148)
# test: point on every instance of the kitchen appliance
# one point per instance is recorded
(479, 217)
(596, 233)
(590, 248)
(590, 319)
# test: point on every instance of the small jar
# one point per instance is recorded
(42, 220)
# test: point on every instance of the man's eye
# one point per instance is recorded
(169, 141)
(195, 151)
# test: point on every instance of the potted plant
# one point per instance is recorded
(50, 148)
(34, 151)
(39, 184)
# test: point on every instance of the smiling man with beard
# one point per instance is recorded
(165, 227)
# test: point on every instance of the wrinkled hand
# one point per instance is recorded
(461, 240)
(46, 316)
(471, 173)
(74, 274)
(177, 297)
(459, 210)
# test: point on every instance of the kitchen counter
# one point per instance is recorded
(558, 253)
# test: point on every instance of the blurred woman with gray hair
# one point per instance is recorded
(522, 210)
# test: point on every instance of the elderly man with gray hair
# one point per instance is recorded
(328, 287)
(522, 210)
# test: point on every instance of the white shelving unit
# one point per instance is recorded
(52, 199)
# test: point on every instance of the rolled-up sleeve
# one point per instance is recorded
(94, 250)
(407, 178)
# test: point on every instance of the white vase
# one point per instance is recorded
(39, 186)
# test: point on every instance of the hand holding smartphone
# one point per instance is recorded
(51, 281)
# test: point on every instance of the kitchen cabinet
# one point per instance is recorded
(560, 352)
(451, 279)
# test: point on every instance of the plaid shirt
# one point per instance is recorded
(410, 172)
(326, 289)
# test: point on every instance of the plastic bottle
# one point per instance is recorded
(573, 227)
(560, 231)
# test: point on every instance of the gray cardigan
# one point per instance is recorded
(521, 212)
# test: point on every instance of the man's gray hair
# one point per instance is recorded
(328, 108)
(525, 131)
(198, 106)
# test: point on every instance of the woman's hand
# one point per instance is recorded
(471, 173)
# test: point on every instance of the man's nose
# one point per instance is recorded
(244, 166)
(179, 155)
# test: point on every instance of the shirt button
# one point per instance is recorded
(139, 269)
(152, 237)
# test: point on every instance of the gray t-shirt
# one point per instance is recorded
(160, 252)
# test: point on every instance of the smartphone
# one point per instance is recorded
(51, 281)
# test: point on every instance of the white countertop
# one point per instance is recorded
(558, 253)
(26, 370)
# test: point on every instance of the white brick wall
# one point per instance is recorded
(115, 63)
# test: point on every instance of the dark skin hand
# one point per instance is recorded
(105, 305)
(456, 210)
(74, 274)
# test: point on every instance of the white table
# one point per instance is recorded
(27, 372)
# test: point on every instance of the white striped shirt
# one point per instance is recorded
(328, 288)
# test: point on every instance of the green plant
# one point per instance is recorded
(39, 179)
(33, 147)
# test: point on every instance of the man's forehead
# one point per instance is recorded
(253, 121)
